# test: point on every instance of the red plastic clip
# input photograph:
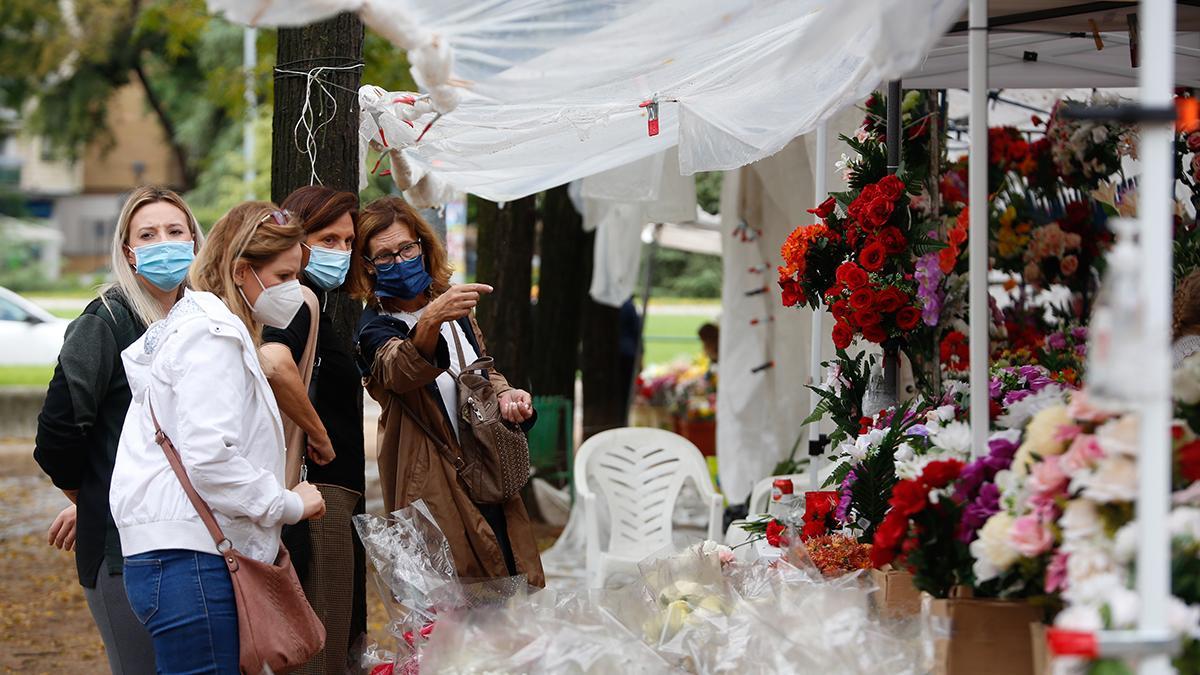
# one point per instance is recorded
(1063, 642)
(651, 106)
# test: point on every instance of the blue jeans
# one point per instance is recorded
(185, 599)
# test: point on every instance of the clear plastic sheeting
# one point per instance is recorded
(694, 611)
(553, 90)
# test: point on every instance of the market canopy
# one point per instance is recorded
(1037, 44)
(555, 90)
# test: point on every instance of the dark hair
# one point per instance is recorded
(709, 332)
(316, 207)
(378, 216)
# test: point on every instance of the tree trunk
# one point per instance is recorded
(505, 262)
(604, 393)
(336, 42)
(562, 290)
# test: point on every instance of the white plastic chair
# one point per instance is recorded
(640, 472)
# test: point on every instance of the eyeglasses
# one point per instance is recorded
(409, 251)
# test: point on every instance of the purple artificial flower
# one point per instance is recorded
(929, 288)
(995, 387)
(918, 430)
(986, 505)
(842, 513)
(1056, 341)
(1016, 395)
(1079, 332)
(1081, 349)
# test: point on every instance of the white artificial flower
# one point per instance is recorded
(1123, 607)
(1080, 521)
(1113, 480)
(1119, 436)
(954, 437)
(904, 453)
(944, 413)
(857, 452)
(1125, 543)
(1084, 564)
(991, 550)
(1081, 617)
(1183, 618)
(1184, 522)
(912, 468)
(1099, 134)
(1188, 495)
(1019, 413)
(1186, 380)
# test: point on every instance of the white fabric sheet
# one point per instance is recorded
(551, 88)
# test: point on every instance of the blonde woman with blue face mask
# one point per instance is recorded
(154, 241)
(196, 375)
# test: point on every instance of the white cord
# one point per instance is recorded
(307, 116)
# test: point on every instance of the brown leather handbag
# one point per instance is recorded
(277, 628)
(493, 463)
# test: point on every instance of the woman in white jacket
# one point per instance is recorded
(199, 369)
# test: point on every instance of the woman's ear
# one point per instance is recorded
(239, 272)
(130, 257)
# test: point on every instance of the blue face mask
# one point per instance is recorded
(164, 264)
(327, 267)
(403, 280)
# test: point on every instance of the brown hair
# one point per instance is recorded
(377, 217)
(247, 233)
(1185, 319)
(316, 207)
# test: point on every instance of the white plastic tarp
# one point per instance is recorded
(759, 413)
(553, 88)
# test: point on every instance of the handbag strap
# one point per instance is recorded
(442, 446)
(462, 359)
(206, 514)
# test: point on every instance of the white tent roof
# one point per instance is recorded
(701, 235)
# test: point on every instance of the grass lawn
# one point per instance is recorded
(671, 337)
(65, 313)
(25, 375)
(86, 293)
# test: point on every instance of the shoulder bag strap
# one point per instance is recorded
(206, 514)
(442, 447)
(295, 439)
(462, 360)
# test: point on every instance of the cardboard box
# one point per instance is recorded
(1042, 660)
(983, 637)
(896, 595)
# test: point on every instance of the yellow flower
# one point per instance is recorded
(1041, 437)
(1008, 216)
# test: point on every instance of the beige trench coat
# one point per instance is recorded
(412, 468)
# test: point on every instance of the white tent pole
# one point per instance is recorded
(1156, 80)
(977, 59)
(817, 334)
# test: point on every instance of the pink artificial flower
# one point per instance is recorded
(1081, 408)
(1067, 432)
(1069, 265)
(1083, 453)
(1056, 572)
(1047, 477)
(1030, 537)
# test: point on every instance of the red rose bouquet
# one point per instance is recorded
(919, 531)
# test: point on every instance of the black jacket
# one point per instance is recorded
(80, 425)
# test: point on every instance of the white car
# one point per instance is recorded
(29, 335)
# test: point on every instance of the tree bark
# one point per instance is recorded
(335, 42)
(604, 396)
(562, 290)
(505, 250)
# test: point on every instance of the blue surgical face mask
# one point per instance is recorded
(327, 267)
(403, 280)
(164, 264)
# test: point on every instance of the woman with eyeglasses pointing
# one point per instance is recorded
(408, 349)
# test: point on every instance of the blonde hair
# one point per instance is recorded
(1185, 315)
(247, 233)
(125, 279)
(377, 217)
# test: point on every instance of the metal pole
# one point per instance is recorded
(647, 284)
(817, 334)
(893, 126)
(249, 65)
(1156, 79)
(977, 58)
